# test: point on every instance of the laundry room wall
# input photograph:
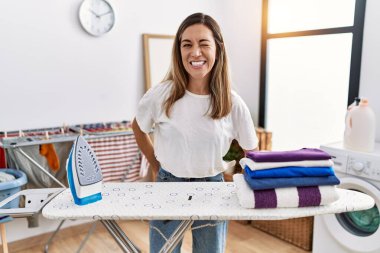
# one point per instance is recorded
(370, 74)
(52, 72)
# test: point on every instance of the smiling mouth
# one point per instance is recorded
(197, 63)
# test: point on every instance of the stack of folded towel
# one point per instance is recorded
(296, 178)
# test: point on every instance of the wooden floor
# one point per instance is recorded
(241, 239)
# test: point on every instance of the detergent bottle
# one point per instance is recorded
(360, 128)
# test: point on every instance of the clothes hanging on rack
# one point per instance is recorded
(3, 163)
(3, 160)
(119, 157)
(36, 178)
(49, 152)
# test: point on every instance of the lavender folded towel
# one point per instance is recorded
(291, 171)
(271, 165)
(282, 182)
(283, 197)
(288, 156)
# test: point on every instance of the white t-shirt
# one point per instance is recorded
(191, 143)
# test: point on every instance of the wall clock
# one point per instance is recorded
(97, 17)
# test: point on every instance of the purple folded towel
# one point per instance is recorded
(283, 197)
(288, 156)
(307, 196)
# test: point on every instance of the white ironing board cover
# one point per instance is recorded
(164, 201)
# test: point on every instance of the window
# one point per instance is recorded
(310, 69)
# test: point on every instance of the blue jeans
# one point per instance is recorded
(208, 236)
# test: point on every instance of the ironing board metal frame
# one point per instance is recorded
(176, 237)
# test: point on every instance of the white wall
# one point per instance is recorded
(241, 24)
(370, 72)
(52, 72)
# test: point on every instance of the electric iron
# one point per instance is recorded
(83, 173)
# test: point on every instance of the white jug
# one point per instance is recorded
(360, 128)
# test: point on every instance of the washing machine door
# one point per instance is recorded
(357, 231)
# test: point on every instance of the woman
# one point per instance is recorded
(195, 117)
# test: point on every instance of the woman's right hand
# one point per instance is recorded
(145, 144)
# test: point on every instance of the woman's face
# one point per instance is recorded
(198, 51)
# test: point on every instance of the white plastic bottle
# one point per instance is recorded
(360, 129)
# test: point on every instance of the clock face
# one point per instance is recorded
(96, 16)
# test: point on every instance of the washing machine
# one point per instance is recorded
(351, 232)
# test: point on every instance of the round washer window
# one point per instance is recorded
(360, 223)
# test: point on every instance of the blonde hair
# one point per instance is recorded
(220, 83)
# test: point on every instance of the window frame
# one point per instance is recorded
(356, 52)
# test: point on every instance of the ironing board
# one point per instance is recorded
(184, 201)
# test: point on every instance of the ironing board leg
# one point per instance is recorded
(46, 248)
(117, 233)
(4, 238)
(177, 235)
(123, 236)
(89, 233)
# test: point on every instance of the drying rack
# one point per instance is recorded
(17, 140)
(24, 138)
